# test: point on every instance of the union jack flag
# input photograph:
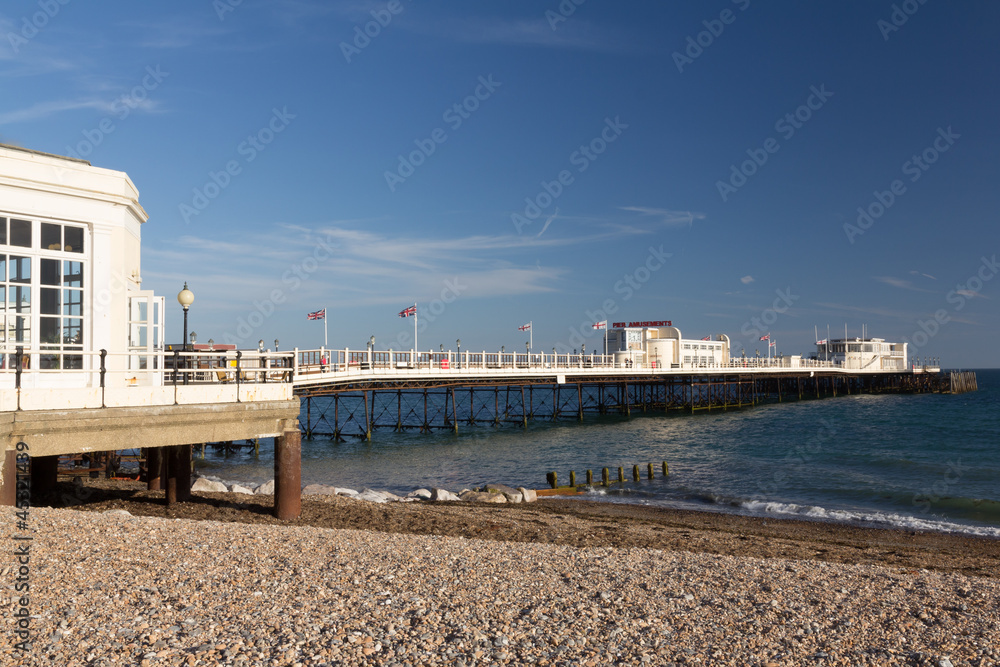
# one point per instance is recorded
(406, 312)
(707, 338)
(526, 327)
(318, 315)
(767, 337)
(601, 325)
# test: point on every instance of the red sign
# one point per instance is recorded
(661, 323)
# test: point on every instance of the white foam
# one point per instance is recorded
(881, 519)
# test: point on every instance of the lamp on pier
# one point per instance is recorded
(260, 346)
(211, 343)
(371, 348)
(194, 339)
(458, 345)
(185, 297)
(275, 344)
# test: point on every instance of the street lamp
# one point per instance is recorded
(194, 339)
(211, 344)
(260, 346)
(185, 297)
(458, 345)
(275, 344)
(527, 353)
(371, 348)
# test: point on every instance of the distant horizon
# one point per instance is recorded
(741, 168)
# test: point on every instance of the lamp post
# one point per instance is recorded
(458, 345)
(185, 297)
(194, 339)
(371, 348)
(275, 344)
(527, 353)
(211, 344)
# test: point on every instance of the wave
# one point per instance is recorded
(868, 518)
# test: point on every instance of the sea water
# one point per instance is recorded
(924, 461)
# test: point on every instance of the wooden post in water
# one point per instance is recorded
(666, 471)
(635, 473)
(590, 477)
(649, 471)
(621, 475)
(552, 479)
(572, 478)
(288, 474)
(605, 477)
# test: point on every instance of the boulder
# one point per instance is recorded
(483, 497)
(421, 494)
(319, 490)
(372, 496)
(442, 494)
(528, 495)
(515, 497)
(350, 493)
(239, 488)
(208, 486)
(499, 488)
(265, 489)
(117, 513)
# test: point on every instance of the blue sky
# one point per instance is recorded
(500, 162)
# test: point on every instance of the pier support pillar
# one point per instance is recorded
(288, 475)
(154, 468)
(178, 482)
(44, 472)
(8, 479)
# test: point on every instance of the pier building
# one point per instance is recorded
(661, 345)
(83, 367)
(864, 353)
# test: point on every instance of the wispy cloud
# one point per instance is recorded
(899, 283)
(667, 217)
(746, 280)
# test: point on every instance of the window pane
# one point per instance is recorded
(73, 274)
(73, 332)
(50, 272)
(51, 236)
(20, 233)
(3, 300)
(72, 302)
(3, 268)
(48, 361)
(50, 331)
(20, 269)
(49, 301)
(3, 231)
(22, 329)
(20, 299)
(74, 239)
(73, 361)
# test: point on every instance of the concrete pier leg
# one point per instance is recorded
(170, 474)
(8, 479)
(44, 472)
(288, 475)
(154, 468)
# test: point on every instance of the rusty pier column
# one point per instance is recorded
(154, 468)
(8, 478)
(288, 474)
(178, 482)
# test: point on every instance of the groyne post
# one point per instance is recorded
(288, 474)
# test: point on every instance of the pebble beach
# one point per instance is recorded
(111, 588)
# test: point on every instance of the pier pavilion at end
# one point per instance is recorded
(83, 366)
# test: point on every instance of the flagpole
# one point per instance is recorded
(326, 342)
(415, 346)
(531, 336)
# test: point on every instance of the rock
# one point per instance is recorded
(117, 513)
(319, 490)
(528, 495)
(372, 496)
(391, 497)
(422, 494)
(515, 497)
(499, 488)
(265, 489)
(208, 486)
(442, 494)
(483, 497)
(239, 488)
(350, 493)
